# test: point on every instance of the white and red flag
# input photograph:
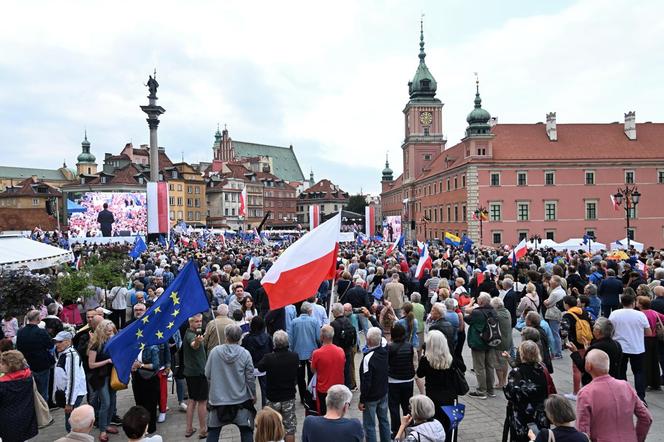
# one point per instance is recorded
(243, 203)
(614, 203)
(299, 271)
(395, 246)
(314, 216)
(519, 252)
(424, 262)
(158, 207)
(370, 221)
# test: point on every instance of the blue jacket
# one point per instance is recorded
(303, 336)
(609, 291)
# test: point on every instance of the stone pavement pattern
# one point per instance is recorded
(483, 421)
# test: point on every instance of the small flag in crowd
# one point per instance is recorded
(378, 292)
(183, 298)
(519, 252)
(139, 247)
(455, 413)
(467, 244)
(452, 239)
(162, 241)
(424, 262)
(397, 245)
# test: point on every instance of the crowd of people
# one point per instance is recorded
(129, 214)
(374, 329)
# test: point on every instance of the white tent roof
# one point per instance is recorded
(577, 243)
(623, 245)
(542, 244)
(17, 251)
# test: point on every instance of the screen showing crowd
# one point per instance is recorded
(129, 211)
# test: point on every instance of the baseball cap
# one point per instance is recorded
(63, 336)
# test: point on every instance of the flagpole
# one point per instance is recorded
(329, 307)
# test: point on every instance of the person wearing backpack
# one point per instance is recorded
(482, 339)
(345, 337)
(576, 328)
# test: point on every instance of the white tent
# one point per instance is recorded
(622, 245)
(577, 243)
(542, 244)
(17, 251)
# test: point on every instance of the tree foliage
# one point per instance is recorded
(106, 273)
(20, 290)
(356, 203)
(73, 285)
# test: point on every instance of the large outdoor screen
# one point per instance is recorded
(391, 228)
(129, 211)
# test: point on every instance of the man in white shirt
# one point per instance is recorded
(630, 328)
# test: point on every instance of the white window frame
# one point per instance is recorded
(518, 173)
(518, 214)
(633, 176)
(553, 174)
(555, 203)
(500, 210)
(585, 209)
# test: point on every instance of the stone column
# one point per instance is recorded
(153, 111)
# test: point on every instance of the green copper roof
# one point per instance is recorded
(423, 84)
(387, 172)
(284, 161)
(21, 173)
(85, 156)
(478, 118)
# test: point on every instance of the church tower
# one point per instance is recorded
(223, 146)
(423, 120)
(86, 163)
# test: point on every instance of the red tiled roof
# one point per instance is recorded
(26, 219)
(329, 189)
(28, 187)
(122, 175)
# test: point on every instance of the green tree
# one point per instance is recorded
(20, 290)
(107, 273)
(356, 203)
(73, 285)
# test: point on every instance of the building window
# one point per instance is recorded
(197, 189)
(630, 233)
(441, 214)
(180, 199)
(463, 180)
(426, 134)
(463, 213)
(456, 183)
(550, 210)
(103, 180)
(427, 156)
(174, 174)
(590, 233)
(495, 179)
(523, 234)
(456, 213)
(550, 234)
(171, 187)
(171, 200)
(631, 212)
(497, 237)
(591, 210)
(494, 211)
(189, 189)
(660, 176)
(35, 201)
(189, 202)
(197, 202)
(172, 215)
(179, 187)
(179, 214)
(190, 216)
(521, 178)
(549, 178)
(232, 211)
(590, 177)
(448, 184)
(197, 216)
(449, 214)
(522, 211)
(629, 177)
(226, 211)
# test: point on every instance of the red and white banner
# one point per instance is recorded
(424, 262)
(158, 207)
(303, 266)
(243, 203)
(370, 221)
(314, 216)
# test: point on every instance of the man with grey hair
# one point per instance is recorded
(333, 426)
(505, 324)
(328, 362)
(82, 421)
(509, 300)
(35, 344)
(477, 317)
(345, 337)
(602, 340)
(303, 338)
(658, 304)
(437, 321)
(609, 292)
(230, 373)
(280, 369)
(214, 332)
(606, 407)
(553, 314)
(374, 387)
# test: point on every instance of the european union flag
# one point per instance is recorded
(162, 241)
(455, 414)
(139, 247)
(183, 298)
(378, 292)
(467, 244)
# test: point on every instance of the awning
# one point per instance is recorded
(17, 251)
(73, 207)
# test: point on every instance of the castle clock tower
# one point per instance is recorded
(423, 121)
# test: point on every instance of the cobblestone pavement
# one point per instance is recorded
(483, 421)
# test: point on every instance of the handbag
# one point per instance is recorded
(659, 329)
(116, 385)
(44, 418)
(461, 387)
(146, 374)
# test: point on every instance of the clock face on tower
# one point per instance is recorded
(426, 118)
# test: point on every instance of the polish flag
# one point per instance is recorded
(243, 202)
(314, 216)
(480, 278)
(370, 221)
(420, 246)
(157, 194)
(303, 266)
(424, 262)
(394, 246)
(519, 251)
(446, 255)
(614, 203)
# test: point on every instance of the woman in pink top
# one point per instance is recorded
(651, 358)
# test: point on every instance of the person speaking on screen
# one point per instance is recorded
(106, 220)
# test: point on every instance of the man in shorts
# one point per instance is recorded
(194, 373)
(280, 369)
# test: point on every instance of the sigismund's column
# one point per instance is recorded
(153, 111)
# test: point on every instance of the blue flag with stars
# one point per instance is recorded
(455, 413)
(183, 298)
(139, 247)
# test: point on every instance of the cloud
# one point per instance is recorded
(329, 78)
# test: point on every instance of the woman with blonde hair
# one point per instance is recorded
(269, 426)
(100, 364)
(441, 380)
(529, 303)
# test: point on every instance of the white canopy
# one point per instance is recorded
(17, 251)
(542, 244)
(622, 245)
(577, 243)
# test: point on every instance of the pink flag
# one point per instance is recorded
(299, 271)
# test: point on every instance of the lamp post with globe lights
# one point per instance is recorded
(631, 196)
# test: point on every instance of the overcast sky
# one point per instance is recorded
(328, 77)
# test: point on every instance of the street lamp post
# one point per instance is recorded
(481, 213)
(536, 239)
(632, 198)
